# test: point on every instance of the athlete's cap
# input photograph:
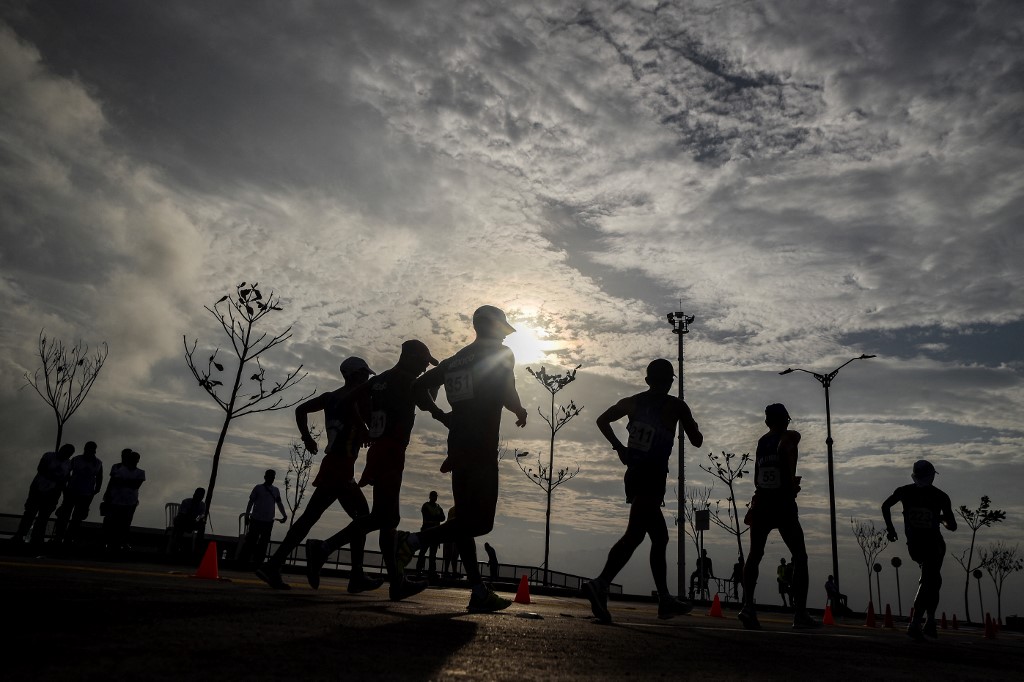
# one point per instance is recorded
(776, 411)
(417, 348)
(661, 368)
(354, 364)
(493, 315)
(923, 467)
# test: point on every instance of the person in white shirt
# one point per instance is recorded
(44, 492)
(259, 515)
(121, 499)
(85, 482)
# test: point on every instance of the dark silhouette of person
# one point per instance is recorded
(479, 384)
(85, 481)
(44, 492)
(335, 479)
(737, 577)
(925, 507)
(121, 499)
(433, 516)
(259, 516)
(191, 518)
(833, 594)
(652, 420)
(774, 506)
(450, 564)
(388, 409)
(492, 560)
(783, 576)
(701, 575)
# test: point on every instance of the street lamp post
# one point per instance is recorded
(826, 380)
(896, 563)
(680, 327)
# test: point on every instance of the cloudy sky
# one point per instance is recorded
(811, 180)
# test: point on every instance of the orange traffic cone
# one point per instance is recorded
(955, 625)
(208, 566)
(943, 623)
(827, 618)
(523, 593)
(887, 623)
(870, 622)
(716, 608)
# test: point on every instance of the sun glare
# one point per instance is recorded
(529, 344)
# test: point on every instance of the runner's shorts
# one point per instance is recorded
(645, 481)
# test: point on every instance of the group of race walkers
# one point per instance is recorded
(479, 383)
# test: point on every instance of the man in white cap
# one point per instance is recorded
(652, 418)
(386, 405)
(335, 480)
(479, 383)
(924, 508)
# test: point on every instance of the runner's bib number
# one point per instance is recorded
(919, 517)
(378, 421)
(769, 478)
(640, 436)
(458, 386)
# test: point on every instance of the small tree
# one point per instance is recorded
(697, 498)
(300, 464)
(728, 471)
(238, 314)
(545, 477)
(66, 377)
(975, 519)
(871, 541)
(1000, 560)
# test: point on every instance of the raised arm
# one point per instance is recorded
(689, 425)
(302, 413)
(425, 388)
(604, 424)
(887, 515)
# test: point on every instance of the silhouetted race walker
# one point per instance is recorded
(774, 506)
(479, 383)
(386, 405)
(433, 516)
(52, 474)
(652, 419)
(121, 499)
(191, 518)
(259, 515)
(783, 576)
(85, 481)
(924, 508)
(335, 479)
(492, 560)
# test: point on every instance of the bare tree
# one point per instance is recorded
(728, 471)
(65, 378)
(296, 480)
(1000, 561)
(871, 541)
(238, 314)
(975, 519)
(557, 417)
(696, 498)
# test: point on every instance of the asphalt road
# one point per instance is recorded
(78, 620)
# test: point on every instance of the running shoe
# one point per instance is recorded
(360, 583)
(316, 555)
(272, 577)
(670, 607)
(803, 621)
(748, 616)
(930, 630)
(403, 551)
(404, 587)
(487, 602)
(915, 631)
(597, 593)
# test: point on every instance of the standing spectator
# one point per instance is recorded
(259, 515)
(782, 576)
(433, 516)
(44, 492)
(701, 575)
(121, 499)
(191, 518)
(451, 554)
(737, 577)
(85, 482)
(492, 560)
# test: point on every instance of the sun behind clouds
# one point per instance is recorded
(530, 344)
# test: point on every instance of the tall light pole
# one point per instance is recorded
(826, 380)
(681, 327)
